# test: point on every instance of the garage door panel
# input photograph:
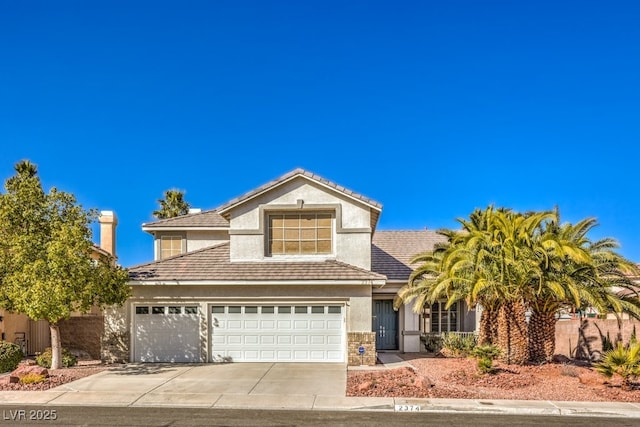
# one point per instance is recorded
(283, 333)
(300, 324)
(317, 339)
(318, 324)
(234, 324)
(333, 340)
(284, 339)
(267, 324)
(267, 339)
(300, 339)
(251, 339)
(284, 324)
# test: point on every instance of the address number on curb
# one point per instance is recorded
(407, 408)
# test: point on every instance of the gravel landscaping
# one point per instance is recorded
(57, 376)
(438, 377)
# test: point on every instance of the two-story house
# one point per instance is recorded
(293, 271)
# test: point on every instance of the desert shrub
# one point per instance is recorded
(623, 361)
(432, 343)
(485, 354)
(32, 378)
(10, 356)
(44, 359)
(458, 345)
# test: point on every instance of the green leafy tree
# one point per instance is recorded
(48, 265)
(172, 205)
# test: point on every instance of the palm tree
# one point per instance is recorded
(576, 273)
(172, 205)
(509, 263)
(489, 262)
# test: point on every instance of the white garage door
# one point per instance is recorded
(166, 334)
(277, 333)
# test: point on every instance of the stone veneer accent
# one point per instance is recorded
(82, 333)
(368, 341)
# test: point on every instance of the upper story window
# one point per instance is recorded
(170, 246)
(300, 233)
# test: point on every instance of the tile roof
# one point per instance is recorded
(290, 175)
(210, 218)
(213, 264)
(391, 251)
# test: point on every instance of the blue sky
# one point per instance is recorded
(431, 108)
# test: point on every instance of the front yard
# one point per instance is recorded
(439, 377)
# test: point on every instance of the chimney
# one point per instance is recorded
(108, 222)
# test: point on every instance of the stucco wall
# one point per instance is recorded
(583, 339)
(352, 234)
(12, 323)
(199, 239)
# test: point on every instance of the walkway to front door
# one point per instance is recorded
(385, 324)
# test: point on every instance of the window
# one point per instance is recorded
(443, 320)
(317, 309)
(300, 233)
(175, 310)
(170, 246)
(142, 310)
(191, 310)
(334, 309)
(157, 310)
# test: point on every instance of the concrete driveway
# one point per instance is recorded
(225, 385)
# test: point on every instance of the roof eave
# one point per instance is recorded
(184, 228)
(372, 282)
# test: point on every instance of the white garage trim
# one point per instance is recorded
(277, 332)
(166, 333)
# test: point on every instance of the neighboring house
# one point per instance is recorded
(83, 331)
(293, 271)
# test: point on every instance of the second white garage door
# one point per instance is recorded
(278, 333)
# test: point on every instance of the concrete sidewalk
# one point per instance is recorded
(275, 386)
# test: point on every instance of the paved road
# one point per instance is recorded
(117, 416)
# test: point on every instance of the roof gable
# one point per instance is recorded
(271, 185)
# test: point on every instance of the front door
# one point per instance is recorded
(385, 324)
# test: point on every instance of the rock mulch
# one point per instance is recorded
(430, 377)
(54, 377)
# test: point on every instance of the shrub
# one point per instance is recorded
(623, 361)
(44, 359)
(32, 378)
(458, 345)
(485, 355)
(10, 356)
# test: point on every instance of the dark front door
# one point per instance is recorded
(385, 324)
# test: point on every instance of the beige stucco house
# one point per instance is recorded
(293, 271)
